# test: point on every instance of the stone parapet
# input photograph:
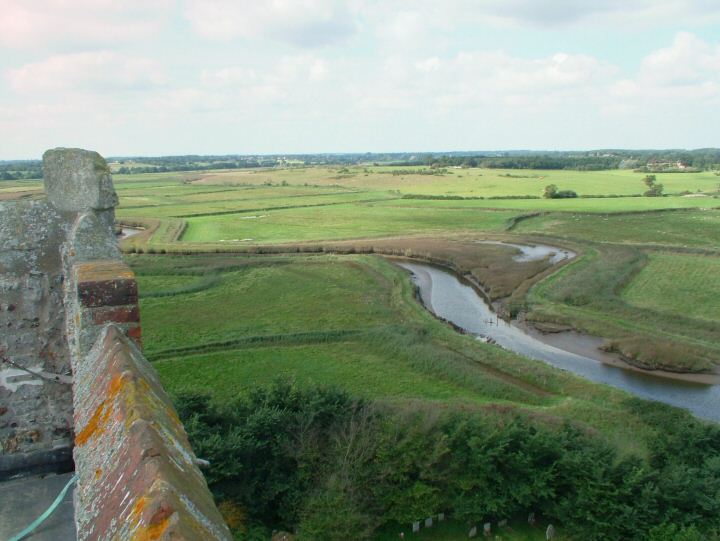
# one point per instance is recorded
(70, 360)
(137, 475)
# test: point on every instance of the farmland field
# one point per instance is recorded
(339, 222)
(678, 284)
(692, 228)
(431, 213)
(472, 182)
(349, 321)
(254, 279)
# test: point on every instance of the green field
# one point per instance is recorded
(600, 205)
(262, 278)
(339, 222)
(691, 228)
(472, 182)
(237, 307)
(678, 284)
(308, 208)
(351, 321)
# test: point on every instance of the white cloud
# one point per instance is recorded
(391, 74)
(473, 80)
(78, 23)
(689, 60)
(689, 69)
(429, 64)
(229, 76)
(306, 23)
(630, 12)
(102, 71)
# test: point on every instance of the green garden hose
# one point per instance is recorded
(27, 531)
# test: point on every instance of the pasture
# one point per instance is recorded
(350, 321)
(471, 182)
(682, 285)
(698, 228)
(431, 214)
(334, 222)
(268, 273)
(438, 214)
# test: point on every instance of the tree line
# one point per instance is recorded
(329, 466)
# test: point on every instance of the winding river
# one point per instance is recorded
(448, 297)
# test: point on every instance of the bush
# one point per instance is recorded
(551, 192)
(317, 461)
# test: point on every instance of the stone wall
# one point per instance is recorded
(35, 392)
(71, 349)
(137, 475)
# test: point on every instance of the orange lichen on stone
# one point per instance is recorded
(151, 532)
(138, 509)
(103, 270)
(98, 473)
(157, 524)
(98, 421)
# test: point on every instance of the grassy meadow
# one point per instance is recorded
(471, 182)
(638, 256)
(350, 321)
(401, 209)
(340, 222)
(698, 228)
(696, 295)
(250, 276)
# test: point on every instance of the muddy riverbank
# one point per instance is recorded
(451, 299)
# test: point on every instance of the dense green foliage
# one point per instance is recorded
(317, 460)
(551, 192)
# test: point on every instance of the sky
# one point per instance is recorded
(169, 77)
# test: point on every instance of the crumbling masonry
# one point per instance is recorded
(74, 383)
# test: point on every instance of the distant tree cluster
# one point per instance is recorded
(21, 170)
(551, 192)
(596, 160)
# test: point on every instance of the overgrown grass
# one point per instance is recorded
(350, 321)
(338, 222)
(169, 286)
(474, 181)
(678, 284)
(587, 295)
(684, 229)
(590, 205)
(263, 300)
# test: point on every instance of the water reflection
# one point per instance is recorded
(449, 298)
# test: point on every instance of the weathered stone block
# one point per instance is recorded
(105, 283)
(116, 314)
(78, 180)
(92, 237)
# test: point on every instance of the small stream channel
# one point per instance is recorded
(126, 232)
(448, 297)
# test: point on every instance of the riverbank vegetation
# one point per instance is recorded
(387, 414)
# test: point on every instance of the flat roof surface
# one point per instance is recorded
(24, 500)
